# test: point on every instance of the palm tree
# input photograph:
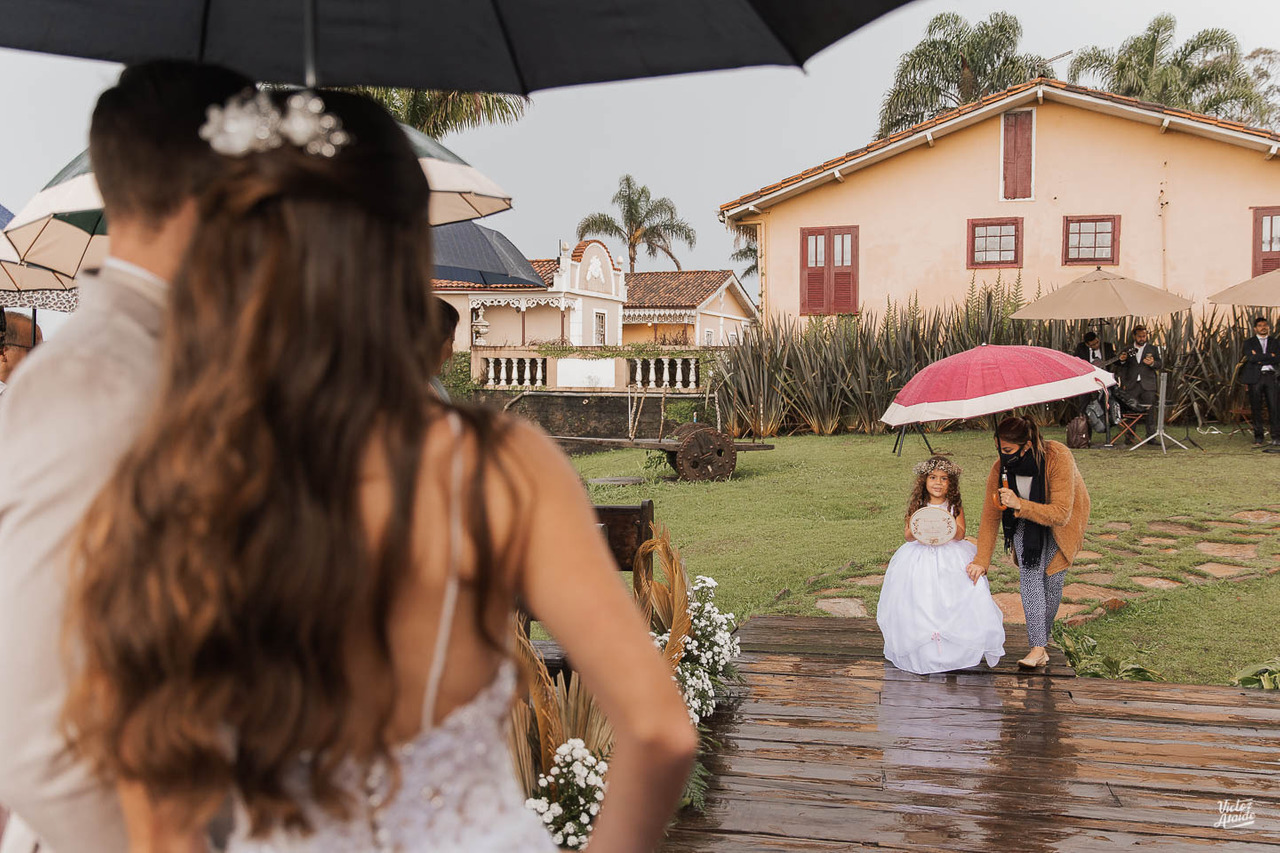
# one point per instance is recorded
(644, 221)
(438, 112)
(956, 64)
(746, 248)
(1264, 67)
(1205, 74)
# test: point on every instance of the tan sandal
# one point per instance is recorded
(1034, 663)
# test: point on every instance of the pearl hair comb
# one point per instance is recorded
(247, 125)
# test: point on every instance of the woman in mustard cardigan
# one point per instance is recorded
(1036, 495)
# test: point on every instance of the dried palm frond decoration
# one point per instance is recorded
(537, 726)
(556, 710)
(580, 716)
(663, 604)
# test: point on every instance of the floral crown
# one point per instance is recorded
(936, 463)
(253, 124)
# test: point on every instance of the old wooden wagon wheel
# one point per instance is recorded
(704, 454)
(692, 426)
(680, 433)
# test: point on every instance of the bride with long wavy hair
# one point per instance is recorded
(295, 591)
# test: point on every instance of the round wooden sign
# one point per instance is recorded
(933, 525)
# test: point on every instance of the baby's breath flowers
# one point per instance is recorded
(572, 791)
(709, 650)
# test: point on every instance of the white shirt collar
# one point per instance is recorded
(153, 281)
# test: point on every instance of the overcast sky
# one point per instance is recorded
(699, 139)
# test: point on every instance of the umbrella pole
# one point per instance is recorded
(309, 42)
(929, 446)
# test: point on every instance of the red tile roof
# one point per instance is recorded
(546, 267)
(674, 289)
(445, 284)
(994, 97)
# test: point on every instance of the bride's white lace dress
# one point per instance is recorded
(458, 788)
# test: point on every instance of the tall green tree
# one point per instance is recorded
(642, 222)
(955, 64)
(440, 112)
(1205, 74)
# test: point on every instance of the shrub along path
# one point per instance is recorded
(810, 528)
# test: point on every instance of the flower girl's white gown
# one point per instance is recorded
(458, 790)
(933, 618)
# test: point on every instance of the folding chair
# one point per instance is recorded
(1128, 423)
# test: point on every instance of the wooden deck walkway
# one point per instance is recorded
(831, 748)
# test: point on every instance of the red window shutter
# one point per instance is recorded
(815, 266)
(1017, 154)
(1266, 239)
(844, 270)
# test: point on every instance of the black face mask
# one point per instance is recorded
(1009, 460)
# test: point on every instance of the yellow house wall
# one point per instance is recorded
(724, 315)
(462, 334)
(1184, 203)
(643, 333)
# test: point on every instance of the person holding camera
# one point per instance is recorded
(1138, 372)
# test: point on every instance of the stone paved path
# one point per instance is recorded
(1105, 576)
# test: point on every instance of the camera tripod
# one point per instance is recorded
(1160, 432)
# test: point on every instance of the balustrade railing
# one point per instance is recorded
(514, 372)
(681, 373)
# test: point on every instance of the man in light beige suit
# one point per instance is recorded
(72, 412)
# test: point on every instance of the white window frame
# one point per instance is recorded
(601, 329)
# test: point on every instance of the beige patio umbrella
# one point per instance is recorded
(1262, 290)
(1098, 294)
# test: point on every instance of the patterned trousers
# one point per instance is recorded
(1041, 593)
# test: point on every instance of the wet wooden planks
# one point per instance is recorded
(828, 747)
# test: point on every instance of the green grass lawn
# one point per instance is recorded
(818, 511)
(1200, 634)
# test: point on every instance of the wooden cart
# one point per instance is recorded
(696, 451)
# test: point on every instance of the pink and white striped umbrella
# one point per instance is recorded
(990, 379)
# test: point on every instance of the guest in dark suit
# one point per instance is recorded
(1138, 371)
(1094, 351)
(1097, 353)
(1261, 375)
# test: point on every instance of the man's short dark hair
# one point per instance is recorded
(1090, 336)
(1139, 328)
(1257, 320)
(447, 316)
(144, 141)
(17, 330)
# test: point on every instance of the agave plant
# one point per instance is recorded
(841, 373)
(749, 380)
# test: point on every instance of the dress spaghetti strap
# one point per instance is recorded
(440, 653)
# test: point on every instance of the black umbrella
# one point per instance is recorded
(477, 45)
(464, 251)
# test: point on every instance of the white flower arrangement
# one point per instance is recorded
(574, 789)
(709, 650)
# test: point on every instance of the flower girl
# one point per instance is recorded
(933, 617)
